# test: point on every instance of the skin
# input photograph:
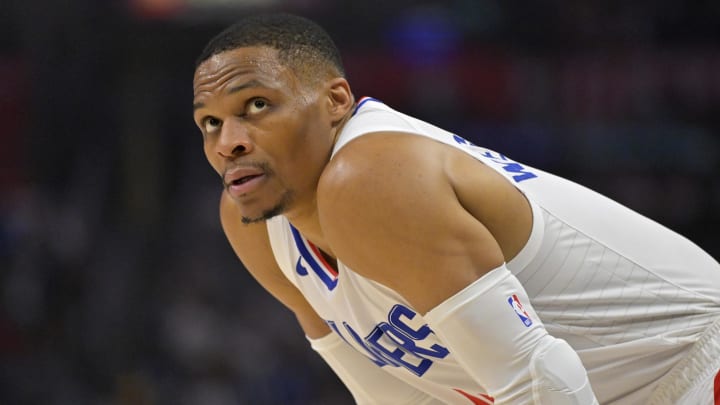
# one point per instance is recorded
(410, 213)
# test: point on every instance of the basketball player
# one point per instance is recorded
(425, 269)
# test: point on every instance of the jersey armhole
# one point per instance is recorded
(528, 252)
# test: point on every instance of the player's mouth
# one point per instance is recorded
(241, 181)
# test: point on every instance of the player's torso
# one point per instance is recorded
(618, 318)
(372, 318)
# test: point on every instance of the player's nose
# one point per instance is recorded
(234, 140)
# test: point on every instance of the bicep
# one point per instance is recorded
(391, 214)
(251, 244)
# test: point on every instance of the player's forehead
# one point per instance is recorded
(260, 64)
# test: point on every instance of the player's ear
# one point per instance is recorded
(339, 97)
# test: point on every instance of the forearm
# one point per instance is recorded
(496, 336)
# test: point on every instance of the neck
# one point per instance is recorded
(341, 124)
(305, 217)
(309, 227)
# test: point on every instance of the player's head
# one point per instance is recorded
(302, 44)
(270, 98)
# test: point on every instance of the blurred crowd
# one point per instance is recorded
(116, 284)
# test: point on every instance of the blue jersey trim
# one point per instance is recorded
(330, 282)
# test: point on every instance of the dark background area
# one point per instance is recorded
(116, 284)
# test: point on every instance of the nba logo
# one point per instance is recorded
(518, 308)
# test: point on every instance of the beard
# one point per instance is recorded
(274, 211)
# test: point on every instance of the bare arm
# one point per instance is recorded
(252, 246)
(437, 227)
(367, 382)
(435, 216)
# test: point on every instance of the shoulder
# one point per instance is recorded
(381, 174)
(251, 244)
(387, 201)
(244, 238)
(382, 155)
(400, 166)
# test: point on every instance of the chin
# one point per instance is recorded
(267, 214)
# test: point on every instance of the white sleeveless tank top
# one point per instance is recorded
(629, 295)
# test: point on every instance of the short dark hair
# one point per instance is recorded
(299, 41)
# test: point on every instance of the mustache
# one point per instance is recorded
(262, 166)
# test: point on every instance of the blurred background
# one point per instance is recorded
(116, 284)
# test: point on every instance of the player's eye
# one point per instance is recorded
(211, 124)
(257, 105)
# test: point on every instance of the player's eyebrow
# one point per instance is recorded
(246, 85)
(234, 89)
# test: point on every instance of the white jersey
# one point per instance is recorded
(629, 295)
